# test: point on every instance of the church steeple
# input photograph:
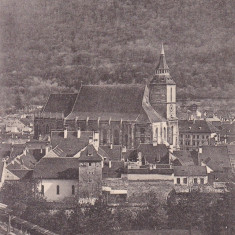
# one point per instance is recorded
(162, 67)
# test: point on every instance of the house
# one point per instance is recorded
(227, 132)
(195, 133)
(216, 160)
(60, 176)
(125, 115)
(72, 142)
(190, 175)
(182, 158)
(231, 154)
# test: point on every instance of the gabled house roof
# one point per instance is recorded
(190, 171)
(60, 103)
(113, 154)
(70, 145)
(184, 157)
(154, 154)
(196, 126)
(57, 168)
(89, 154)
(215, 157)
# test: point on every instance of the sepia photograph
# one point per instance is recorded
(117, 117)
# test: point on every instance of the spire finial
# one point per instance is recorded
(162, 51)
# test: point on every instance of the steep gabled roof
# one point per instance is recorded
(71, 145)
(215, 157)
(108, 101)
(57, 168)
(60, 103)
(184, 157)
(190, 171)
(90, 155)
(113, 154)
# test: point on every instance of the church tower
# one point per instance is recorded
(162, 97)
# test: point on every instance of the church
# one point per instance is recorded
(125, 115)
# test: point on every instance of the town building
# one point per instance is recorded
(217, 161)
(60, 177)
(195, 133)
(190, 175)
(125, 115)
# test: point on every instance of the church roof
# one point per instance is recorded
(108, 101)
(60, 103)
(162, 61)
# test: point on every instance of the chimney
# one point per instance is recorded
(124, 149)
(155, 143)
(65, 133)
(111, 145)
(110, 164)
(96, 140)
(25, 151)
(200, 149)
(78, 133)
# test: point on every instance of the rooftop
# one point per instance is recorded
(215, 157)
(184, 157)
(72, 144)
(190, 171)
(196, 126)
(57, 168)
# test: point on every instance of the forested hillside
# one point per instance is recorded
(52, 45)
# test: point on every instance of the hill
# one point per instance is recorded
(53, 45)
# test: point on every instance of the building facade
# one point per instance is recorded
(124, 115)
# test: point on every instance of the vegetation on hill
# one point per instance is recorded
(52, 45)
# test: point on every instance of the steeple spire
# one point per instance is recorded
(162, 67)
(162, 51)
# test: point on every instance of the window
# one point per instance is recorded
(198, 136)
(126, 140)
(202, 181)
(142, 135)
(42, 189)
(194, 142)
(195, 180)
(156, 131)
(178, 180)
(185, 180)
(194, 136)
(57, 189)
(104, 137)
(203, 137)
(172, 131)
(89, 163)
(73, 189)
(171, 95)
(116, 137)
(164, 137)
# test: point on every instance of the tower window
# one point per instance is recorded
(171, 95)
(104, 137)
(142, 135)
(42, 189)
(116, 137)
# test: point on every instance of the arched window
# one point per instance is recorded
(142, 135)
(126, 140)
(171, 95)
(47, 129)
(164, 133)
(73, 189)
(172, 134)
(57, 189)
(116, 137)
(104, 137)
(156, 132)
